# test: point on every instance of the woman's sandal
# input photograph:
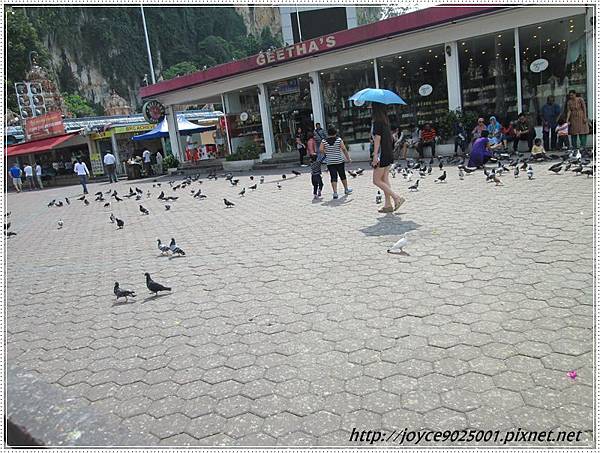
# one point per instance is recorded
(398, 203)
(386, 210)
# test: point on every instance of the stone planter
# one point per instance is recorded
(172, 171)
(238, 165)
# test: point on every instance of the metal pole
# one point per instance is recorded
(298, 19)
(518, 71)
(376, 72)
(148, 45)
(226, 127)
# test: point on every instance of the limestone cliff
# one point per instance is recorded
(258, 17)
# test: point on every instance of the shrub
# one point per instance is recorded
(446, 121)
(170, 162)
(247, 151)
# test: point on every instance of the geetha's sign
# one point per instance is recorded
(296, 50)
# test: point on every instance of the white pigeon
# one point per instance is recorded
(112, 218)
(60, 224)
(461, 174)
(530, 172)
(398, 246)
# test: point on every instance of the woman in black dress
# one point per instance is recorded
(383, 157)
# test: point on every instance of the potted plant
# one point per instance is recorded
(243, 159)
(171, 163)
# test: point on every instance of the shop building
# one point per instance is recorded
(439, 59)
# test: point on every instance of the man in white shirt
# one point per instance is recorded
(147, 161)
(110, 164)
(38, 176)
(28, 170)
(159, 160)
(83, 172)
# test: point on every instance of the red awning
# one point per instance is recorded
(38, 146)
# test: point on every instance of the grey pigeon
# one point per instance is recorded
(228, 204)
(175, 249)
(164, 249)
(153, 286)
(122, 292)
(120, 223)
(143, 210)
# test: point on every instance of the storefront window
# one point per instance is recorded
(353, 123)
(243, 119)
(291, 108)
(560, 44)
(487, 75)
(408, 75)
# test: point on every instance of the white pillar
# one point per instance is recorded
(116, 153)
(316, 98)
(376, 72)
(267, 124)
(225, 110)
(590, 62)
(453, 76)
(518, 71)
(174, 134)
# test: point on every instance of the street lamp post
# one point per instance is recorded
(148, 45)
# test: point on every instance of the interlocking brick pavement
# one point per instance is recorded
(289, 324)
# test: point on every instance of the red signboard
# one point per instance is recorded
(43, 126)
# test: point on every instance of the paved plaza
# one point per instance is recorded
(290, 324)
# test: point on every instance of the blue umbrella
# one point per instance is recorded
(376, 95)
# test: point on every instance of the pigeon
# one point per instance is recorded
(167, 207)
(567, 167)
(197, 194)
(283, 176)
(441, 165)
(243, 192)
(67, 200)
(85, 202)
(378, 197)
(9, 233)
(262, 179)
(359, 171)
(140, 191)
(60, 223)
(120, 223)
(297, 173)
(107, 204)
(7, 214)
(228, 177)
(279, 186)
(99, 198)
(138, 197)
(253, 187)
(530, 172)
(98, 194)
(118, 199)
(251, 178)
(112, 218)
(164, 249)
(59, 204)
(468, 170)
(161, 196)
(556, 165)
(143, 210)
(351, 173)
(516, 172)
(578, 169)
(114, 194)
(171, 198)
(108, 191)
(422, 174)
(524, 166)
(554, 169)
(429, 170)
(497, 180)
(588, 171)
(81, 198)
(153, 286)
(461, 174)
(7, 226)
(174, 249)
(52, 203)
(396, 249)
(228, 204)
(234, 182)
(414, 187)
(442, 178)
(122, 292)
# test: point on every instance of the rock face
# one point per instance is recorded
(256, 18)
(116, 105)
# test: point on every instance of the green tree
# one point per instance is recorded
(78, 106)
(179, 69)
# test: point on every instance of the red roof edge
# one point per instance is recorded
(378, 30)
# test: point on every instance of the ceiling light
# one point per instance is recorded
(322, 73)
(463, 43)
(570, 31)
(345, 68)
(548, 40)
(499, 36)
(539, 27)
(535, 36)
(429, 50)
(483, 52)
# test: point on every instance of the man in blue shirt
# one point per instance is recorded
(550, 114)
(15, 173)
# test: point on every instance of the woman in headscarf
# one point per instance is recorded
(478, 129)
(494, 129)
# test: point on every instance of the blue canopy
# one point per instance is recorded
(162, 130)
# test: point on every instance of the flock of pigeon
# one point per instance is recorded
(571, 161)
(172, 249)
